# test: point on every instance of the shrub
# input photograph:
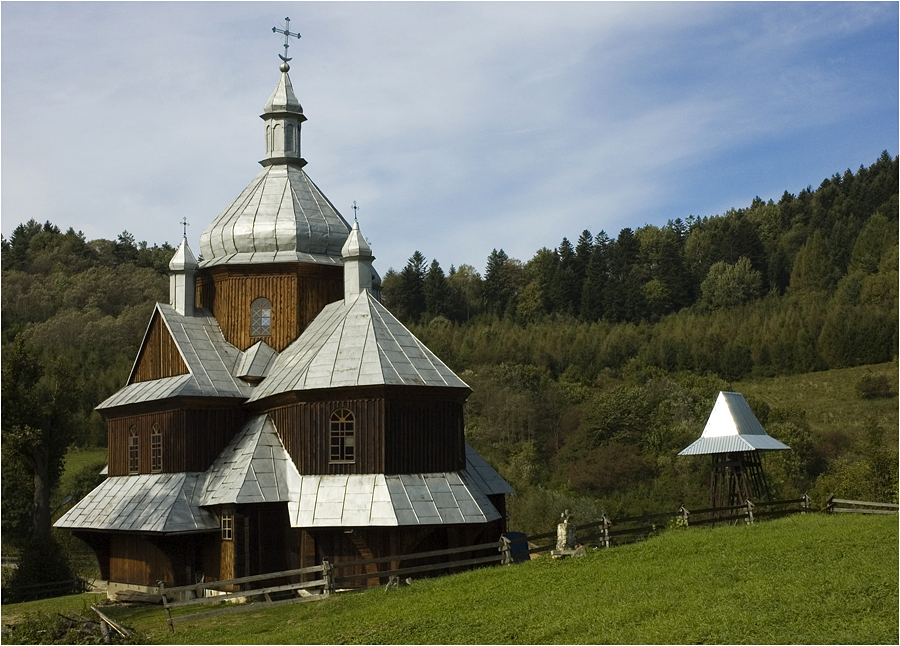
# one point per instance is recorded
(874, 386)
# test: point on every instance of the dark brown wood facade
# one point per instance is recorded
(297, 292)
(159, 356)
(191, 438)
(398, 430)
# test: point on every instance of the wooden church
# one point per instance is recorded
(277, 414)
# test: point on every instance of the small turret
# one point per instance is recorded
(357, 255)
(182, 268)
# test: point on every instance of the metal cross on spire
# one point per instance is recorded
(185, 224)
(287, 33)
(355, 209)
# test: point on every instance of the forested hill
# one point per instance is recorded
(804, 284)
(591, 364)
(82, 305)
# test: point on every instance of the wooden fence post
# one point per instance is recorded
(328, 577)
(829, 505)
(605, 529)
(804, 505)
(165, 602)
(506, 549)
(685, 516)
(749, 512)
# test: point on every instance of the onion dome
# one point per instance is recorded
(281, 216)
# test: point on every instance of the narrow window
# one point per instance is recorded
(260, 317)
(227, 525)
(134, 465)
(268, 140)
(276, 135)
(289, 138)
(343, 436)
(155, 450)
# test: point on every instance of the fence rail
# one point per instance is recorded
(603, 533)
(860, 507)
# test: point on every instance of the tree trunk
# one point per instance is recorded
(40, 509)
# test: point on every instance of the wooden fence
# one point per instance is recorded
(198, 594)
(602, 534)
(859, 507)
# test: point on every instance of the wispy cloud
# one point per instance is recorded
(458, 127)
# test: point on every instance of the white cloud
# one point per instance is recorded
(457, 127)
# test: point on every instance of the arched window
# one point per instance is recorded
(268, 139)
(155, 449)
(343, 436)
(289, 138)
(260, 317)
(134, 463)
(276, 135)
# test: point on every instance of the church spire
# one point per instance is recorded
(283, 114)
(182, 268)
(357, 255)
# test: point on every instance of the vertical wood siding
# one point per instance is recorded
(135, 560)
(392, 436)
(297, 293)
(191, 439)
(423, 437)
(305, 432)
(159, 357)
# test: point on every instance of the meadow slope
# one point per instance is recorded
(802, 579)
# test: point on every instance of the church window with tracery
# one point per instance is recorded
(261, 317)
(155, 449)
(343, 436)
(134, 463)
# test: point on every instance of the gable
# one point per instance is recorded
(159, 356)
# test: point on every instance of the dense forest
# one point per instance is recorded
(592, 364)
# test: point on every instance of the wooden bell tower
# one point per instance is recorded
(735, 439)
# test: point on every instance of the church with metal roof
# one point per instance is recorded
(277, 413)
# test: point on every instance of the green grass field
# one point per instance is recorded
(802, 579)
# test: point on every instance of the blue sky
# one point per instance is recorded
(457, 127)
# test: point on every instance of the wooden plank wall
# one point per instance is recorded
(159, 357)
(133, 559)
(297, 292)
(191, 439)
(424, 436)
(393, 436)
(304, 430)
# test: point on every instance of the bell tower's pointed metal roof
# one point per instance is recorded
(733, 428)
(281, 216)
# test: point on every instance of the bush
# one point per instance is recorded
(874, 386)
(40, 562)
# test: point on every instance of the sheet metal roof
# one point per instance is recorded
(732, 428)
(254, 467)
(255, 361)
(281, 216)
(161, 502)
(355, 344)
(210, 360)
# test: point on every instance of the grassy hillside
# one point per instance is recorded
(829, 397)
(809, 579)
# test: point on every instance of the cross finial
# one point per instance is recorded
(185, 224)
(355, 209)
(287, 33)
